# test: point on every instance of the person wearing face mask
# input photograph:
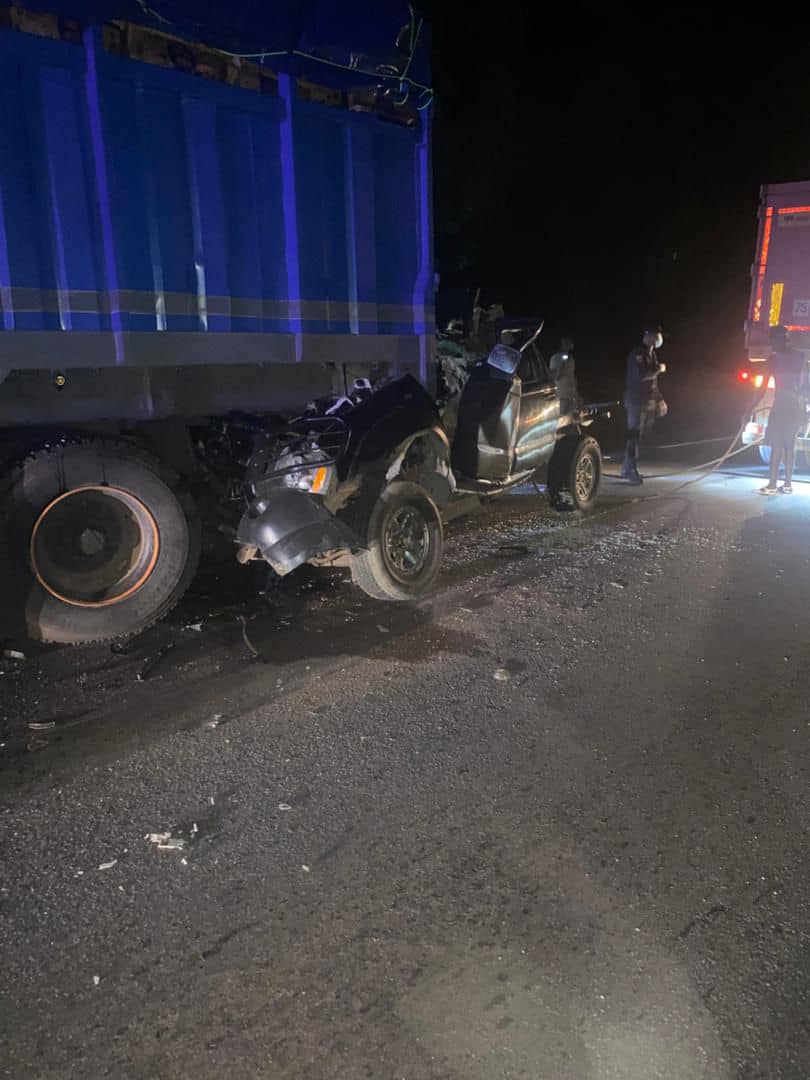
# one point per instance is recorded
(642, 398)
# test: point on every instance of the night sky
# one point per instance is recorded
(606, 179)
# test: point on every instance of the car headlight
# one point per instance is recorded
(315, 480)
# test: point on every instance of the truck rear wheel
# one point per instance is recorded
(97, 543)
(574, 474)
(403, 530)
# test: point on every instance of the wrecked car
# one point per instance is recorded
(363, 480)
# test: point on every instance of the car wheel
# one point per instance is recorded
(405, 541)
(574, 474)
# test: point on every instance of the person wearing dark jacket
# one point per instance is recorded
(788, 412)
(642, 399)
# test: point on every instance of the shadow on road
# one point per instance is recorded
(240, 637)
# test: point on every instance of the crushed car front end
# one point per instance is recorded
(310, 486)
(290, 484)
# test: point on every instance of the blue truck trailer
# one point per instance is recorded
(202, 214)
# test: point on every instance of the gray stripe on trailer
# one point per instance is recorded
(28, 350)
(28, 301)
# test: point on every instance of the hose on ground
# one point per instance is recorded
(713, 465)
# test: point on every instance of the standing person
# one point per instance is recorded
(788, 410)
(642, 399)
(562, 365)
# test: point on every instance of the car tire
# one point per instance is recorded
(574, 474)
(402, 529)
(97, 543)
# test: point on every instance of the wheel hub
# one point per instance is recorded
(585, 477)
(94, 546)
(406, 541)
(91, 542)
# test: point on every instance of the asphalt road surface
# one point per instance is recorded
(550, 823)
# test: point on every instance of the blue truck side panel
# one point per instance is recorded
(152, 219)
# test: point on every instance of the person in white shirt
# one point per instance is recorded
(562, 365)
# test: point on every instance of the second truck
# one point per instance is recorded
(780, 296)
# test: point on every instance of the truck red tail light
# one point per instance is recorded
(757, 381)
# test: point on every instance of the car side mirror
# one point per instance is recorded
(504, 358)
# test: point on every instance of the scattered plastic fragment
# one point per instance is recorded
(166, 842)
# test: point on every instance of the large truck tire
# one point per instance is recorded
(574, 473)
(403, 531)
(96, 543)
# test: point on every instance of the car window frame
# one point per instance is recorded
(542, 376)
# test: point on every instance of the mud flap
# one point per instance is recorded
(293, 527)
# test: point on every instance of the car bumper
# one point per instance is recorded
(753, 432)
(291, 528)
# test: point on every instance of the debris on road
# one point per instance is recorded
(383, 629)
(96, 980)
(616, 585)
(216, 720)
(284, 806)
(502, 674)
(66, 720)
(185, 836)
(152, 663)
(248, 643)
(305, 868)
(13, 654)
(505, 551)
(166, 842)
(196, 627)
(108, 865)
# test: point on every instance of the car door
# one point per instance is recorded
(539, 412)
